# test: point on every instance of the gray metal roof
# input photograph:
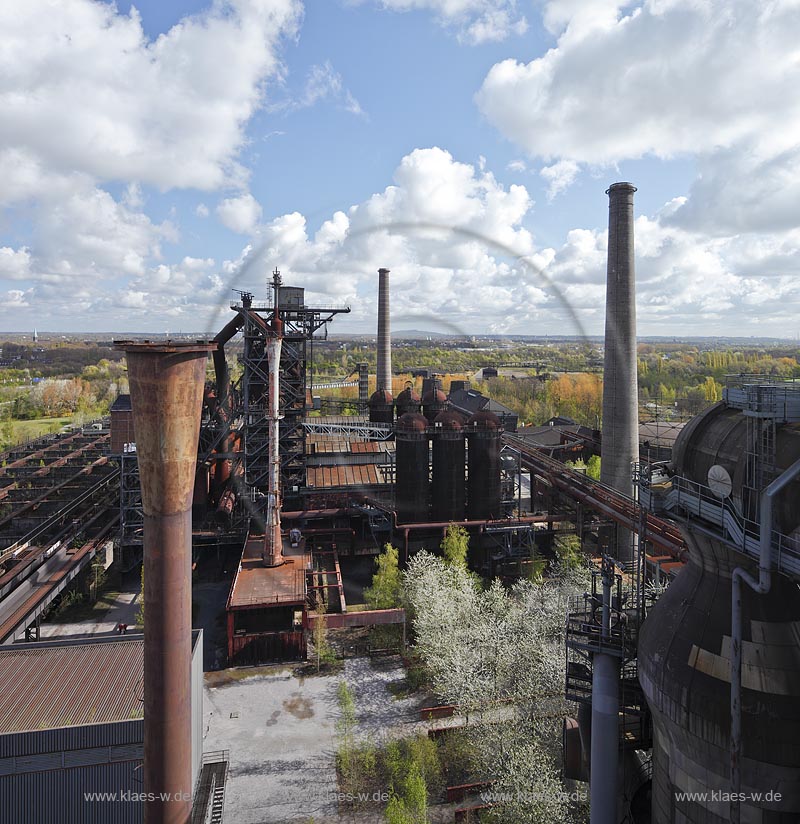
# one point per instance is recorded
(48, 685)
(122, 404)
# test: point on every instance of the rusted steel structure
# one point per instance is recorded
(381, 407)
(262, 604)
(412, 484)
(166, 395)
(448, 477)
(272, 553)
(407, 401)
(434, 401)
(363, 386)
(623, 510)
(484, 500)
(251, 453)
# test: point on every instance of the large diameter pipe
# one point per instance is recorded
(605, 720)
(761, 586)
(620, 439)
(384, 376)
(166, 383)
(604, 740)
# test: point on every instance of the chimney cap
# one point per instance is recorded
(621, 186)
(169, 346)
(384, 271)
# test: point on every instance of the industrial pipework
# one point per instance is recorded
(272, 553)
(717, 660)
(762, 585)
(605, 715)
(167, 382)
(620, 440)
(384, 370)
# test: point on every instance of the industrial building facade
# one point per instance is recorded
(71, 730)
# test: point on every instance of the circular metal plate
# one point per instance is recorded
(720, 481)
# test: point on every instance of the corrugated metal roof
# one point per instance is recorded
(344, 475)
(122, 404)
(70, 685)
(256, 585)
(332, 444)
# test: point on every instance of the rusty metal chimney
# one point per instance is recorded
(167, 382)
(384, 371)
(620, 438)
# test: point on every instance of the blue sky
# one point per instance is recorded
(155, 157)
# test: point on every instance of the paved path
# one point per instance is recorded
(122, 611)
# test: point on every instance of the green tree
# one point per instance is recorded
(345, 756)
(6, 434)
(415, 794)
(593, 467)
(712, 389)
(455, 546)
(386, 589)
(319, 633)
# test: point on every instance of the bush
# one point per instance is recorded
(385, 591)
(70, 599)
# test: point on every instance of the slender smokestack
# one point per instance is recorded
(384, 333)
(272, 554)
(167, 384)
(620, 440)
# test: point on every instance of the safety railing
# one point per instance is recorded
(763, 396)
(698, 501)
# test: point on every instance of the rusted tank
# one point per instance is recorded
(434, 401)
(166, 383)
(381, 407)
(685, 650)
(407, 401)
(412, 483)
(483, 483)
(449, 481)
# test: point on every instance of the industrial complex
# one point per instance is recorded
(682, 661)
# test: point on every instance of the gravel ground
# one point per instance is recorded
(282, 736)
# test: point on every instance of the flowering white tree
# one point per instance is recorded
(498, 655)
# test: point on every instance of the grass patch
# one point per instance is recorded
(22, 431)
(404, 776)
(221, 678)
(76, 608)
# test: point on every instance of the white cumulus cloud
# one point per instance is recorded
(82, 88)
(96, 114)
(474, 21)
(652, 77)
(559, 176)
(240, 214)
(451, 234)
(15, 264)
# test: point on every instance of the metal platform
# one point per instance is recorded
(256, 585)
